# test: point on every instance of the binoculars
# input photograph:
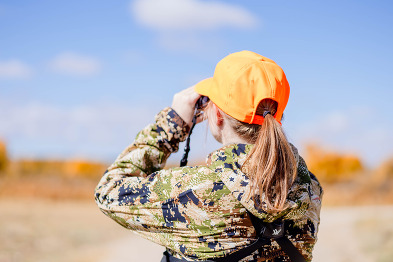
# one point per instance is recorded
(200, 105)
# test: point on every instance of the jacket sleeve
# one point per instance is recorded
(132, 188)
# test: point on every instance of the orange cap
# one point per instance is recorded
(241, 81)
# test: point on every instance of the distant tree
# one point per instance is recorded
(3, 157)
(384, 172)
(60, 168)
(332, 166)
(83, 168)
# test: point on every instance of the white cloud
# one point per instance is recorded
(75, 64)
(184, 25)
(190, 15)
(14, 69)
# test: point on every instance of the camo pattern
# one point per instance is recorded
(199, 212)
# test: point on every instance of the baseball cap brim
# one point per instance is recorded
(203, 87)
(208, 87)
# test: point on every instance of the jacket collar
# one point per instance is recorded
(227, 162)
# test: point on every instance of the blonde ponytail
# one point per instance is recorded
(271, 164)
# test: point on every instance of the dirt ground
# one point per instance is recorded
(43, 230)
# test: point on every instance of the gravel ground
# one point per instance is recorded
(40, 230)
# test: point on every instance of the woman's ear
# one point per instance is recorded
(219, 117)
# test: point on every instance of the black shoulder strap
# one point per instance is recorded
(242, 253)
(290, 249)
(265, 232)
(276, 231)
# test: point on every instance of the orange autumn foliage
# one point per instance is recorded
(61, 168)
(332, 166)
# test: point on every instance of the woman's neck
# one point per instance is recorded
(228, 136)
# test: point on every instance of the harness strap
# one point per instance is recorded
(242, 253)
(276, 231)
(290, 249)
(265, 232)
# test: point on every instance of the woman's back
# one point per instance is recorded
(203, 212)
(200, 212)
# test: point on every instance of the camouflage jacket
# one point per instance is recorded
(199, 212)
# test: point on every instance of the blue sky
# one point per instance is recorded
(81, 78)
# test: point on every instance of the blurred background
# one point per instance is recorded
(79, 79)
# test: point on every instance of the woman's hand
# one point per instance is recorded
(184, 104)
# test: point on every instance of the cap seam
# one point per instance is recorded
(244, 68)
(268, 77)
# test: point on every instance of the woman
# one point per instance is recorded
(204, 212)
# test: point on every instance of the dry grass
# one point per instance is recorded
(355, 193)
(38, 230)
(377, 237)
(55, 188)
(33, 230)
(42, 230)
(361, 234)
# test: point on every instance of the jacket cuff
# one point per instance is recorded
(174, 126)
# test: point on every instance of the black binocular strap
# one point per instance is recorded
(184, 160)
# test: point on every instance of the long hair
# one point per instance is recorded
(270, 165)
